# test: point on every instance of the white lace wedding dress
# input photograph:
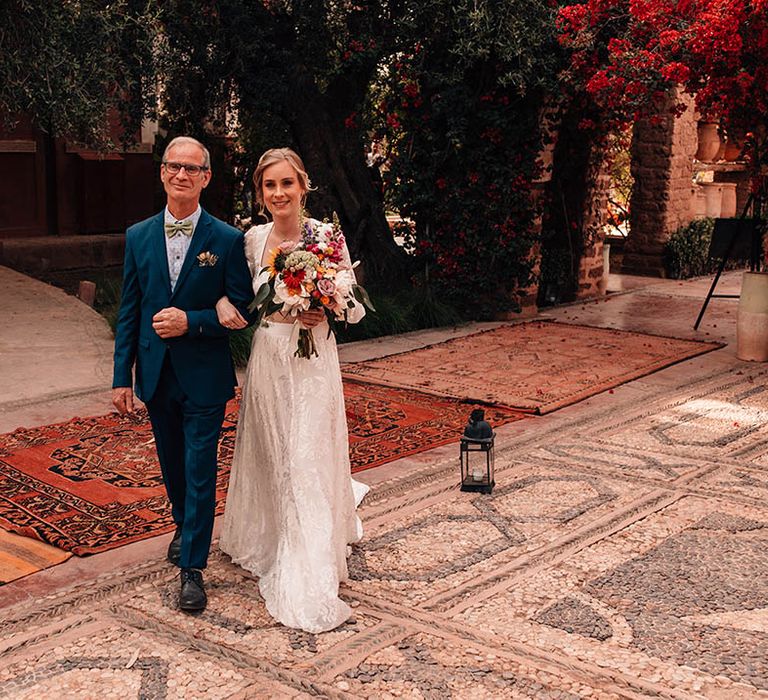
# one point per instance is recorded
(290, 509)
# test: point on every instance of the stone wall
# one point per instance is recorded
(662, 166)
(575, 215)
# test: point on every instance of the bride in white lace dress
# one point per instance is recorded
(290, 509)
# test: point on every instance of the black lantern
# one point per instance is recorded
(477, 455)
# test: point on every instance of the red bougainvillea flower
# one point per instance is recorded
(625, 53)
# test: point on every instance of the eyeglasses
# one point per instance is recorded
(190, 168)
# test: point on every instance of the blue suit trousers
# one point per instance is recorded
(187, 436)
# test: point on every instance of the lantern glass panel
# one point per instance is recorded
(477, 465)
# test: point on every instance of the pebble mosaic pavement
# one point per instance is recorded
(623, 554)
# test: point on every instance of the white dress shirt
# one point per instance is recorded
(177, 247)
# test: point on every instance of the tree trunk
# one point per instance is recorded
(335, 158)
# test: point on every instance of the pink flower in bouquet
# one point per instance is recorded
(326, 287)
(287, 246)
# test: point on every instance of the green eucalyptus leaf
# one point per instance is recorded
(362, 296)
(263, 294)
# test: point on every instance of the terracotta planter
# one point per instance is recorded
(720, 155)
(728, 199)
(752, 318)
(732, 150)
(709, 141)
(713, 193)
(698, 208)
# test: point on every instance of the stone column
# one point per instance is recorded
(662, 166)
(575, 215)
(591, 281)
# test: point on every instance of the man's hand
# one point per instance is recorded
(122, 398)
(170, 322)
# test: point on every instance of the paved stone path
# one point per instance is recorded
(623, 554)
(55, 354)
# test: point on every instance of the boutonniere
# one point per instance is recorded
(207, 259)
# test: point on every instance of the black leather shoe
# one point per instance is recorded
(192, 596)
(174, 548)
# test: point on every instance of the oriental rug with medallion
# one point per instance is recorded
(91, 484)
(536, 366)
(386, 423)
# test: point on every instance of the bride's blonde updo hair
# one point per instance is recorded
(275, 155)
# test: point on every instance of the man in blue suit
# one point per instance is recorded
(178, 264)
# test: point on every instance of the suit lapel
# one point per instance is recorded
(159, 250)
(196, 246)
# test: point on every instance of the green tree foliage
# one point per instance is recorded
(460, 110)
(65, 64)
(295, 73)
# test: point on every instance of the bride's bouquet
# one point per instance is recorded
(311, 274)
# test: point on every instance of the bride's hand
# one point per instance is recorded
(228, 315)
(311, 318)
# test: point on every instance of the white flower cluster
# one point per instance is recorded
(302, 260)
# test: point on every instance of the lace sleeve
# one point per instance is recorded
(250, 249)
(255, 238)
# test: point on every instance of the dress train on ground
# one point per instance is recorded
(290, 510)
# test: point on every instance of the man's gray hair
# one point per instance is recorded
(188, 139)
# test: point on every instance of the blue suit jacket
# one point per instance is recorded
(201, 359)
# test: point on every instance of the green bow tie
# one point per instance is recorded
(185, 227)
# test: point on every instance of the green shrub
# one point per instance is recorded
(240, 346)
(686, 251)
(400, 312)
(397, 312)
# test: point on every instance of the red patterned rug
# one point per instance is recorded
(386, 423)
(92, 484)
(538, 366)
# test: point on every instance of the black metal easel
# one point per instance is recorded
(735, 231)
